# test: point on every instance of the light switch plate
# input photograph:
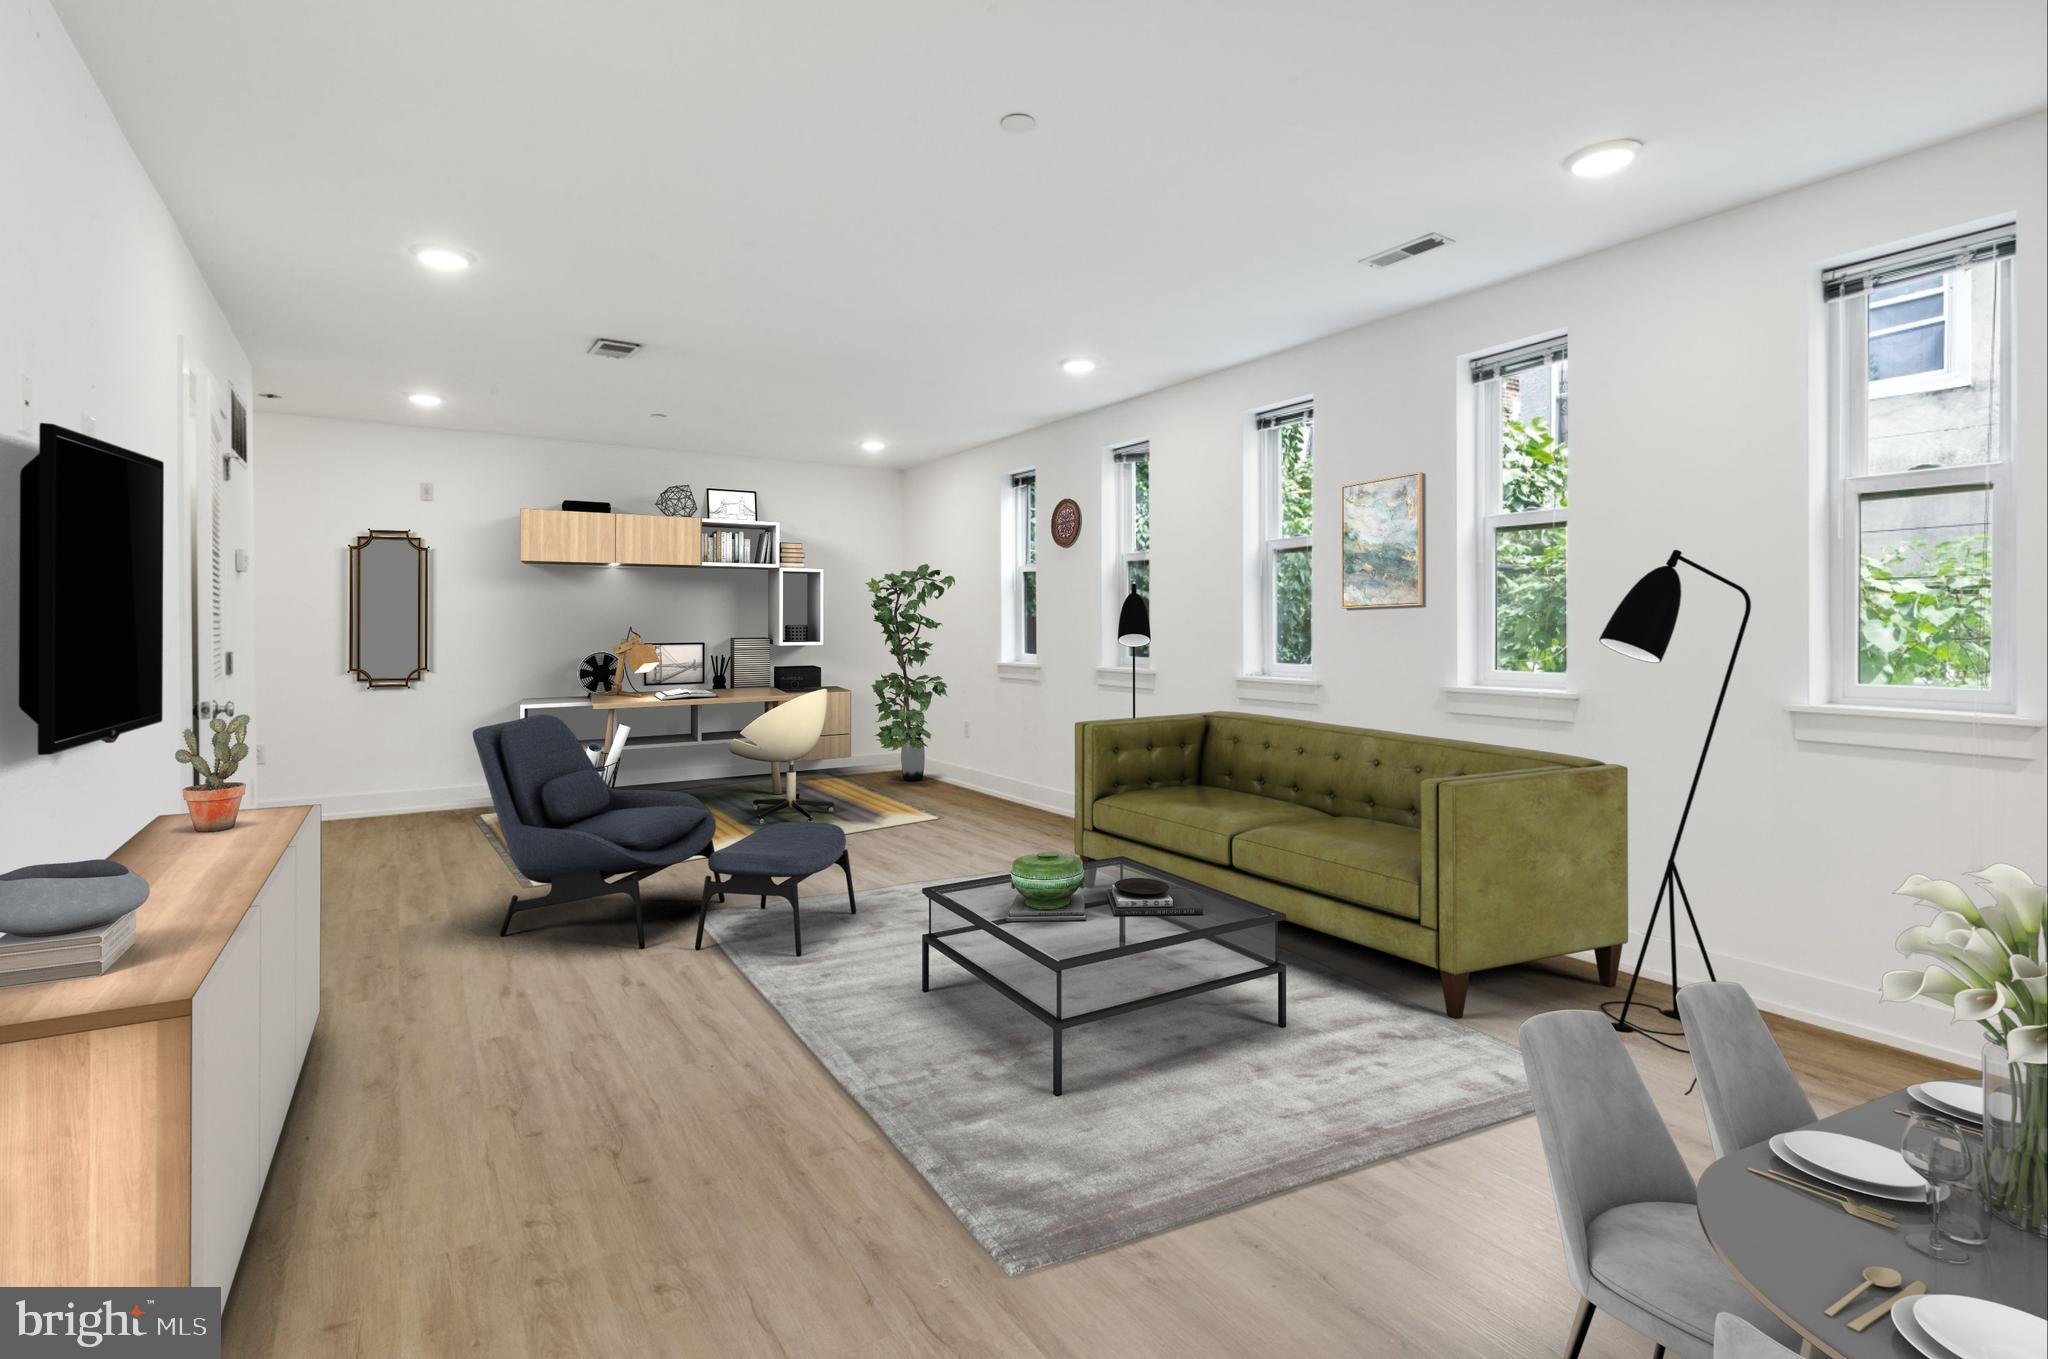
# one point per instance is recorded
(426, 490)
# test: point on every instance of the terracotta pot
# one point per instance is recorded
(213, 809)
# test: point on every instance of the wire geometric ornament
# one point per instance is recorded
(678, 501)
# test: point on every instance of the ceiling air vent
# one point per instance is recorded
(1421, 245)
(613, 349)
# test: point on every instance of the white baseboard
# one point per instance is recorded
(1826, 1003)
(1059, 801)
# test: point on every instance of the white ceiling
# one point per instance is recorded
(809, 216)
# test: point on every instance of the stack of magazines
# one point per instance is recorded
(27, 958)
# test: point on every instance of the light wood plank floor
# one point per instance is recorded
(556, 1144)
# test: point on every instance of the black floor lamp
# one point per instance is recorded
(1641, 630)
(1133, 630)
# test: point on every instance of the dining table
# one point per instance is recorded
(1798, 1254)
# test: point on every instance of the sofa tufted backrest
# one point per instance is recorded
(1151, 753)
(1346, 771)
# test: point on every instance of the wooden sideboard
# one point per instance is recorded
(139, 1109)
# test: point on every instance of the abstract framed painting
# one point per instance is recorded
(1383, 543)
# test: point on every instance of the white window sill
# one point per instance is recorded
(1280, 689)
(1024, 672)
(1998, 736)
(1524, 705)
(1119, 677)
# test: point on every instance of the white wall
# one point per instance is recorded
(1694, 368)
(504, 630)
(97, 290)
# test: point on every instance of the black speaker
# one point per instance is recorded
(797, 679)
(588, 506)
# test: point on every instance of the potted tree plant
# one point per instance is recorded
(214, 801)
(903, 698)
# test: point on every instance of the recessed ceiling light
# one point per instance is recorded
(1077, 367)
(1602, 159)
(424, 400)
(872, 445)
(1016, 122)
(444, 259)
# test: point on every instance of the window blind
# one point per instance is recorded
(1024, 478)
(1296, 414)
(1938, 257)
(1515, 360)
(1138, 452)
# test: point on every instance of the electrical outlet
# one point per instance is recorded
(967, 730)
(426, 490)
(259, 753)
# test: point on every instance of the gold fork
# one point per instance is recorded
(1875, 1216)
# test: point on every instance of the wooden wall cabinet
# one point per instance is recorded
(139, 1110)
(658, 540)
(567, 536)
(836, 741)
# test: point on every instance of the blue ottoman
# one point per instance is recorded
(772, 862)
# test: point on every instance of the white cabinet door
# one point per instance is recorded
(278, 1038)
(226, 1161)
(308, 853)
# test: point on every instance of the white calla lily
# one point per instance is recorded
(1982, 1004)
(1937, 943)
(1936, 986)
(2022, 899)
(1941, 894)
(2029, 1044)
(2031, 976)
(1985, 952)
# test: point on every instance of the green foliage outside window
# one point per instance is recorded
(1294, 569)
(1925, 614)
(1529, 562)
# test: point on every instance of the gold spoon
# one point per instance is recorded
(1877, 1276)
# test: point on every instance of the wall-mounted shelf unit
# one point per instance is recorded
(800, 607)
(579, 539)
(754, 544)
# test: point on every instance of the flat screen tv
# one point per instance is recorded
(92, 590)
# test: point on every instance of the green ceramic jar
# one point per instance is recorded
(1046, 880)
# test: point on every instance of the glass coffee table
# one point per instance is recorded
(1069, 972)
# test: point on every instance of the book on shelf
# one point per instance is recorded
(29, 958)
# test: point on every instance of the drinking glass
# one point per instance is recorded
(1942, 1153)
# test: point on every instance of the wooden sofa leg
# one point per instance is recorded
(1609, 960)
(1454, 992)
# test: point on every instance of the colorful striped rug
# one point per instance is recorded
(855, 807)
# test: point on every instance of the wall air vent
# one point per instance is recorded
(1421, 245)
(613, 349)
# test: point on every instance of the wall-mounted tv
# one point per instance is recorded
(92, 590)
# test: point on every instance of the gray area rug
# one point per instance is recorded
(1171, 1114)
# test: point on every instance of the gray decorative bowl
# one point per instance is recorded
(64, 898)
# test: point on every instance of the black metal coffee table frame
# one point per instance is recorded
(1192, 927)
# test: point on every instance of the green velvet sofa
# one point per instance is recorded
(1447, 853)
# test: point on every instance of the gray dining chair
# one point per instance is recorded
(1633, 1244)
(1735, 1338)
(1749, 1092)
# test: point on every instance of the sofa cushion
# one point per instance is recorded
(573, 796)
(1364, 862)
(642, 828)
(1195, 821)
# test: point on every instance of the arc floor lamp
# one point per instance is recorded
(1133, 630)
(1641, 630)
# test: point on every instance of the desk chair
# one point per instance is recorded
(782, 736)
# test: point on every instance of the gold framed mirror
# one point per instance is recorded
(387, 609)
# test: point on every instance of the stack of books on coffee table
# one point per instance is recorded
(1020, 913)
(1148, 896)
(28, 958)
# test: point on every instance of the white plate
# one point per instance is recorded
(1875, 1191)
(1864, 1162)
(1907, 1323)
(1978, 1328)
(1964, 1099)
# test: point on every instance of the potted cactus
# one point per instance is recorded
(213, 800)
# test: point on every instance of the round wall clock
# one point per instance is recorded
(1066, 522)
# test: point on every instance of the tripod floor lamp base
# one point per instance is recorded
(1670, 894)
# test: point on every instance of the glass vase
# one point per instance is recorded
(2016, 1140)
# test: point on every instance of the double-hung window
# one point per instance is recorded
(1920, 433)
(1521, 426)
(1286, 553)
(1020, 536)
(1132, 466)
